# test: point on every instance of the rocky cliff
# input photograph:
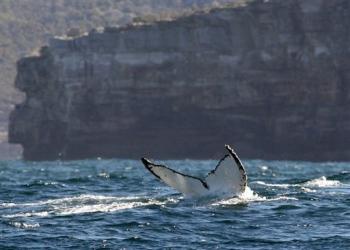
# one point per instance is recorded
(26, 25)
(271, 78)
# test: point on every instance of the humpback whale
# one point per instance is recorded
(228, 179)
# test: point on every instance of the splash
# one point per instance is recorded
(249, 196)
(246, 197)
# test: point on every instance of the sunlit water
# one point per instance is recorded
(118, 204)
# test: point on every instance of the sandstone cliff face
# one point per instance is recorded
(271, 78)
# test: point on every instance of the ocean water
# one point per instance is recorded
(118, 204)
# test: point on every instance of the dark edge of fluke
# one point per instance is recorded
(239, 164)
(148, 164)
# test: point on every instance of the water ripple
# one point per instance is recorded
(117, 204)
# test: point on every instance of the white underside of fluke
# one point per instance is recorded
(228, 179)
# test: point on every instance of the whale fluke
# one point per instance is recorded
(227, 179)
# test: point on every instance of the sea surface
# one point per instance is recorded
(118, 204)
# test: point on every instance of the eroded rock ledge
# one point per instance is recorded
(270, 78)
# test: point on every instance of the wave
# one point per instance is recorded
(29, 214)
(79, 205)
(343, 176)
(24, 225)
(321, 182)
(73, 199)
(40, 183)
(87, 203)
(274, 184)
(90, 203)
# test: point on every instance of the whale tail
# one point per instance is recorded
(227, 179)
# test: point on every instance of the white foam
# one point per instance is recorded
(29, 214)
(264, 168)
(275, 185)
(79, 205)
(105, 208)
(308, 190)
(104, 175)
(247, 196)
(322, 182)
(315, 183)
(9, 204)
(73, 199)
(250, 196)
(279, 198)
(24, 225)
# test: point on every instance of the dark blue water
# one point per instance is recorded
(118, 204)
